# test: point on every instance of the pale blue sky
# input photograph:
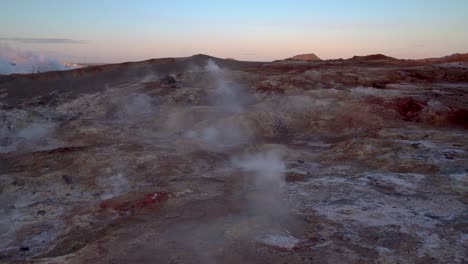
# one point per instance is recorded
(112, 30)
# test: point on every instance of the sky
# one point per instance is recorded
(118, 30)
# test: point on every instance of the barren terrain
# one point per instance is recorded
(205, 160)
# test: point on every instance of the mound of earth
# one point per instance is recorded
(458, 57)
(305, 57)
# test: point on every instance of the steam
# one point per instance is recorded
(20, 132)
(17, 61)
(268, 176)
(114, 185)
(268, 168)
(228, 95)
(224, 128)
(150, 77)
(286, 240)
(136, 105)
(35, 131)
(220, 136)
(211, 66)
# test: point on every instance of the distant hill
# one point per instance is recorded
(374, 57)
(457, 57)
(305, 57)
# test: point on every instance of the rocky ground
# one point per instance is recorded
(203, 160)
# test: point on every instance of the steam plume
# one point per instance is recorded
(18, 61)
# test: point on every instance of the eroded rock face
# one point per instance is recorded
(284, 162)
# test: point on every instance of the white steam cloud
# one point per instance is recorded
(228, 95)
(114, 185)
(137, 105)
(224, 129)
(13, 60)
(267, 166)
(18, 132)
(221, 136)
(267, 170)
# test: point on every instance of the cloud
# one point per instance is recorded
(44, 40)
